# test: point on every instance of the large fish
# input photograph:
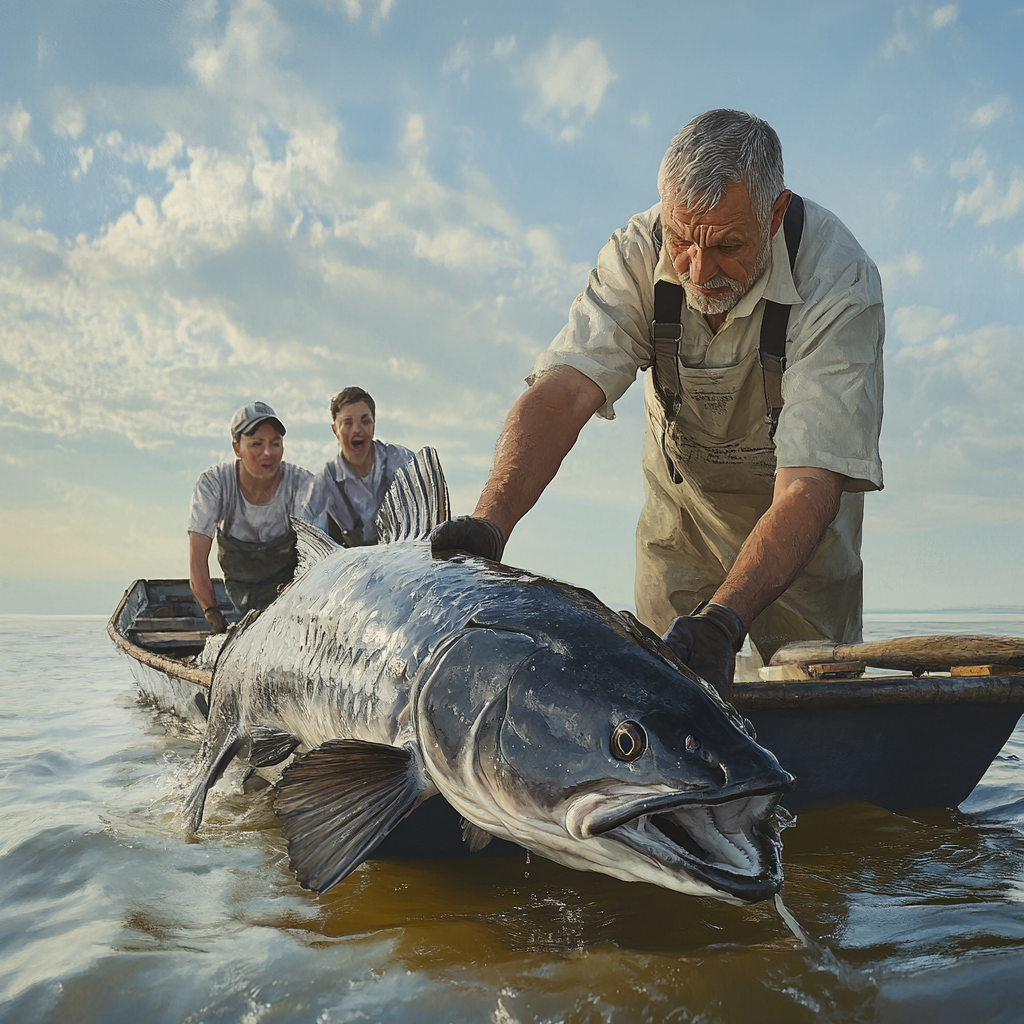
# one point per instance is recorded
(542, 716)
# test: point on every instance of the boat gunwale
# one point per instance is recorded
(881, 691)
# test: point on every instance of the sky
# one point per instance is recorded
(207, 203)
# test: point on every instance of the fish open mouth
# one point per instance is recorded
(731, 845)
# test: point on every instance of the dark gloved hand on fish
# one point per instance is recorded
(543, 717)
(468, 533)
(214, 616)
(707, 641)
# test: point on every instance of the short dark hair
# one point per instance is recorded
(347, 396)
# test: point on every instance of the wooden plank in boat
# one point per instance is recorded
(812, 671)
(166, 624)
(176, 638)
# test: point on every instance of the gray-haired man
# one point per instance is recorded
(763, 400)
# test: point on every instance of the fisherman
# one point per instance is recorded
(763, 402)
(246, 503)
(354, 482)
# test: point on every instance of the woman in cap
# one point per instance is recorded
(246, 503)
(355, 481)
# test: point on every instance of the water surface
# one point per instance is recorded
(109, 912)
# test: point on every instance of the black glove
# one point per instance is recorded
(467, 533)
(218, 624)
(707, 641)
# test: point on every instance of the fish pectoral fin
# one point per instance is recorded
(269, 746)
(339, 801)
(475, 836)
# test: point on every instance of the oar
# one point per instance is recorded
(938, 653)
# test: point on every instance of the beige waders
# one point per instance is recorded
(708, 478)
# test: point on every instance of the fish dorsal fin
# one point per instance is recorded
(416, 501)
(312, 545)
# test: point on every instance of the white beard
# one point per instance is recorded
(718, 304)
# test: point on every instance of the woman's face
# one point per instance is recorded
(353, 427)
(261, 452)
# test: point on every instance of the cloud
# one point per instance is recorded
(15, 144)
(354, 9)
(568, 83)
(990, 112)
(987, 202)
(69, 122)
(1018, 254)
(240, 264)
(954, 421)
(899, 41)
(909, 266)
(503, 47)
(459, 60)
(909, 25)
(85, 155)
(915, 324)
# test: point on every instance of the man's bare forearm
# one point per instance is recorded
(805, 502)
(199, 581)
(540, 429)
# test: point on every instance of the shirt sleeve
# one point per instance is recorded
(307, 495)
(607, 337)
(832, 388)
(207, 507)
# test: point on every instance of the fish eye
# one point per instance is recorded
(629, 741)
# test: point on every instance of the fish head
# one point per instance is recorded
(610, 758)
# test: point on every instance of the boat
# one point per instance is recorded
(901, 740)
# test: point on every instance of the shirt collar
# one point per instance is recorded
(343, 471)
(776, 284)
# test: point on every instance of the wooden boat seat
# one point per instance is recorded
(169, 624)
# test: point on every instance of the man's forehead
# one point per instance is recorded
(732, 213)
(354, 409)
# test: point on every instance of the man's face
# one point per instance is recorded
(261, 452)
(719, 253)
(353, 427)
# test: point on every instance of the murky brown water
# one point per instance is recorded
(107, 912)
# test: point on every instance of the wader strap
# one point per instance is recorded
(775, 321)
(667, 331)
(354, 538)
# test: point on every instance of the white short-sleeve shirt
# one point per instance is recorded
(832, 388)
(364, 493)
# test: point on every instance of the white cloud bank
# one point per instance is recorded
(107, 332)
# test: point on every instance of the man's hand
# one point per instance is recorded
(218, 624)
(707, 642)
(467, 533)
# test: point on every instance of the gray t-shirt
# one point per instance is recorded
(217, 500)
